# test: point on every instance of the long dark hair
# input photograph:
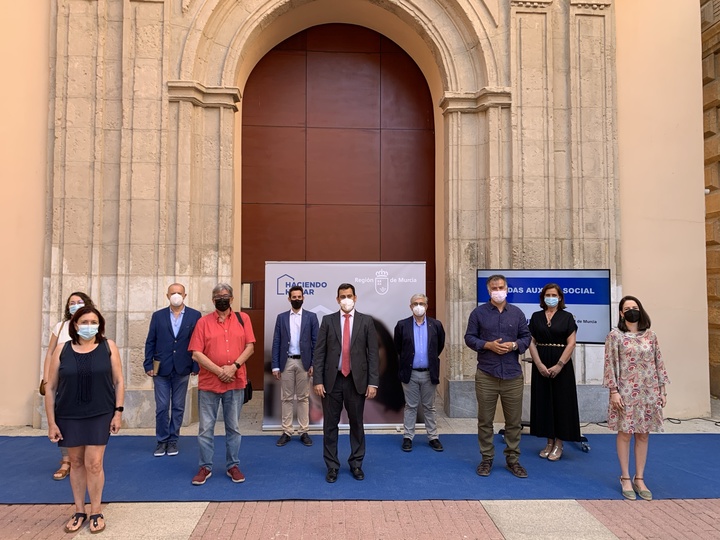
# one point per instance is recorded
(561, 296)
(99, 337)
(84, 297)
(643, 323)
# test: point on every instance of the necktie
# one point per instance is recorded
(346, 346)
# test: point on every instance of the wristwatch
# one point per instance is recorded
(237, 366)
(515, 346)
(120, 408)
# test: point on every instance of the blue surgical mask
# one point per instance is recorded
(551, 301)
(88, 331)
(74, 307)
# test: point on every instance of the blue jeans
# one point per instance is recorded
(232, 402)
(169, 390)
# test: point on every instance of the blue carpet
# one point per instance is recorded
(679, 467)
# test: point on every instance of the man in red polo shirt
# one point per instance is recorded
(221, 344)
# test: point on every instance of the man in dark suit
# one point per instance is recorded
(419, 340)
(345, 373)
(292, 363)
(169, 363)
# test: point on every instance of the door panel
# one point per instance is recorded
(337, 145)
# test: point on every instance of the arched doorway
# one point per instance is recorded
(338, 157)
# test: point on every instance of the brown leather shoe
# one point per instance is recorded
(484, 468)
(517, 469)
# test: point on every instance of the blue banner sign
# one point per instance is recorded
(587, 296)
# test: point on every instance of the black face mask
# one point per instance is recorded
(296, 304)
(222, 304)
(632, 315)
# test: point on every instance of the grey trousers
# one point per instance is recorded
(420, 391)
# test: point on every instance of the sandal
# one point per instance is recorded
(629, 493)
(76, 522)
(62, 472)
(94, 523)
(644, 494)
(545, 452)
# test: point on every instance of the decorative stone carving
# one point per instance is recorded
(596, 4)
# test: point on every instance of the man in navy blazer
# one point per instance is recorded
(169, 363)
(292, 363)
(419, 340)
(346, 372)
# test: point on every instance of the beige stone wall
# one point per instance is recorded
(661, 186)
(542, 158)
(710, 15)
(24, 30)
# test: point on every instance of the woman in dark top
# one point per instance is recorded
(553, 399)
(84, 396)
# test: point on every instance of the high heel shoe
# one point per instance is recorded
(556, 453)
(545, 452)
(630, 493)
(644, 494)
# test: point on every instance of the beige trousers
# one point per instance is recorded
(294, 381)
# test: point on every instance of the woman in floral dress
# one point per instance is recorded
(636, 377)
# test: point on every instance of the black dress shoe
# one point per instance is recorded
(357, 473)
(305, 439)
(407, 444)
(436, 445)
(331, 476)
(283, 440)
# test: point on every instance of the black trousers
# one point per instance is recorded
(343, 393)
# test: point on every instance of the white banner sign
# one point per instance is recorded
(383, 291)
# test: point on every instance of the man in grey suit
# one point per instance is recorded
(346, 372)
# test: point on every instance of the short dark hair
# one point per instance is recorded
(495, 277)
(344, 286)
(84, 297)
(561, 296)
(100, 336)
(643, 323)
(296, 288)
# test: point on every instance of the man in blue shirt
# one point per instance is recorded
(169, 363)
(499, 333)
(419, 340)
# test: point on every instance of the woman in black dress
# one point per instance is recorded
(553, 399)
(84, 396)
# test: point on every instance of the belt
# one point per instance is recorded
(551, 344)
(294, 356)
(421, 369)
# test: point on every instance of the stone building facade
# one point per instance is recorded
(143, 160)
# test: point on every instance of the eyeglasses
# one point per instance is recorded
(418, 304)
(227, 297)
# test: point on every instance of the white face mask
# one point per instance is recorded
(176, 300)
(418, 311)
(498, 296)
(347, 304)
(74, 307)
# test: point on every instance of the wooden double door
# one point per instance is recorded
(338, 158)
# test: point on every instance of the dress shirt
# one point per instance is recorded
(223, 343)
(295, 322)
(342, 330)
(487, 323)
(176, 322)
(420, 334)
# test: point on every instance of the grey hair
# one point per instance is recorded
(222, 287)
(419, 295)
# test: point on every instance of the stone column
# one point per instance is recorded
(477, 179)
